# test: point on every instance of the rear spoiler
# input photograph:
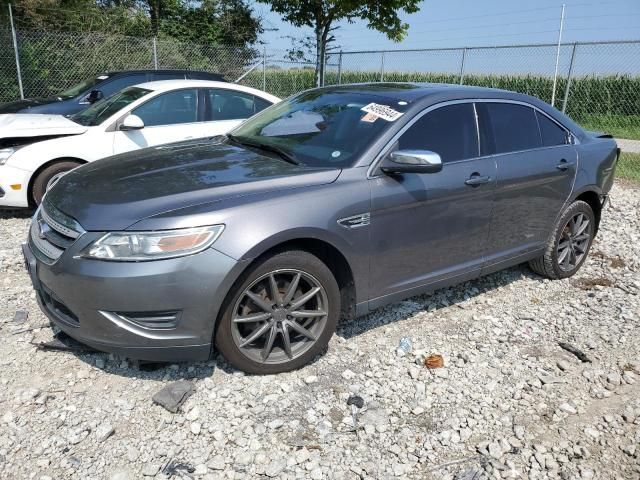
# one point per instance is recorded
(600, 134)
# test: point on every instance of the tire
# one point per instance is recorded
(549, 265)
(40, 183)
(236, 324)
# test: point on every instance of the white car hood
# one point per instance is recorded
(36, 125)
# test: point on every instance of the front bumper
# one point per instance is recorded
(9, 197)
(101, 304)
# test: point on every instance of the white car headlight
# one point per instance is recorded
(143, 246)
(5, 153)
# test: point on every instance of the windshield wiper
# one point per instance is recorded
(286, 156)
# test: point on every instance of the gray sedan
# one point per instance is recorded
(327, 205)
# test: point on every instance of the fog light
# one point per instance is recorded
(16, 186)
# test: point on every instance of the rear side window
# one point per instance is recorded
(511, 127)
(260, 104)
(232, 105)
(448, 131)
(552, 133)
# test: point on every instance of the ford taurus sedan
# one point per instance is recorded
(330, 204)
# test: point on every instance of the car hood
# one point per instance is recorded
(116, 192)
(36, 125)
(26, 104)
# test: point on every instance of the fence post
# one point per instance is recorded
(155, 54)
(462, 64)
(264, 69)
(340, 68)
(15, 49)
(569, 76)
(382, 67)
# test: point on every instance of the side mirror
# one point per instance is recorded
(412, 161)
(94, 96)
(131, 122)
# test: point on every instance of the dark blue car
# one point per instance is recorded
(82, 95)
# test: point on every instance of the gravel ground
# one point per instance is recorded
(509, 402)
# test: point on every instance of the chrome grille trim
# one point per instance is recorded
(52, 232)
(60, 222)
(46, 248)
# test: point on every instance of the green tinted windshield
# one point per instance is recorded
(100, 111)
(81, 87)
(323, 128)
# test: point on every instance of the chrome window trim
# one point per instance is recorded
(373, 166)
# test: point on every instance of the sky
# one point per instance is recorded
(459, 23)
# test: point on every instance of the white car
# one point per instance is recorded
(36, 150)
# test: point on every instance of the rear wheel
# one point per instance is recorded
(569, 245)
(49, 176)
(280, 315)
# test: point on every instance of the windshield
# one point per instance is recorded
(100, 111)
(81, 87)
(322, 128)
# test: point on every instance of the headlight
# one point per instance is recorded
(141, 246)
(5, 153)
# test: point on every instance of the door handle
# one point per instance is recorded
(563, 165)
(475, 179)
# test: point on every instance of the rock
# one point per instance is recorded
(174, 395)
(348, 375)
(568, 408)
(150, 469)
(495, 450)
(614, 378)
(311, 379)
(104, 431)
(277, 423)
(275, 468)
(195, 428)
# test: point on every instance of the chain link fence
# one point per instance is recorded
(597, 84)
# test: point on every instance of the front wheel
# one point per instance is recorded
(569, 244)
(280, 314)
(48, 177)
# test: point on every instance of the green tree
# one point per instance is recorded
(321, 16)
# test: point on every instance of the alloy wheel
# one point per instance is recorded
(574, 241)
(279, 316)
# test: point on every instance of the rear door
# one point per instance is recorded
(427, 228)
(536, 166)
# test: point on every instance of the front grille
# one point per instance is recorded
(52, 232)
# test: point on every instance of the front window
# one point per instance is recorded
(102, 110)
(180, 106)
(322, 128)
(81, 87)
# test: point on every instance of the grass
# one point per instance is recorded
(629, 166)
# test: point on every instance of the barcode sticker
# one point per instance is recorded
(383, 111)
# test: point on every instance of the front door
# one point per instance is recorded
(430, 227)
(169, 117)
(536, 167)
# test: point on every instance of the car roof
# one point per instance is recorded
(412, 91)
(166, 85)
(216, 76)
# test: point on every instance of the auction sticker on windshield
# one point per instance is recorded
(383, 111)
